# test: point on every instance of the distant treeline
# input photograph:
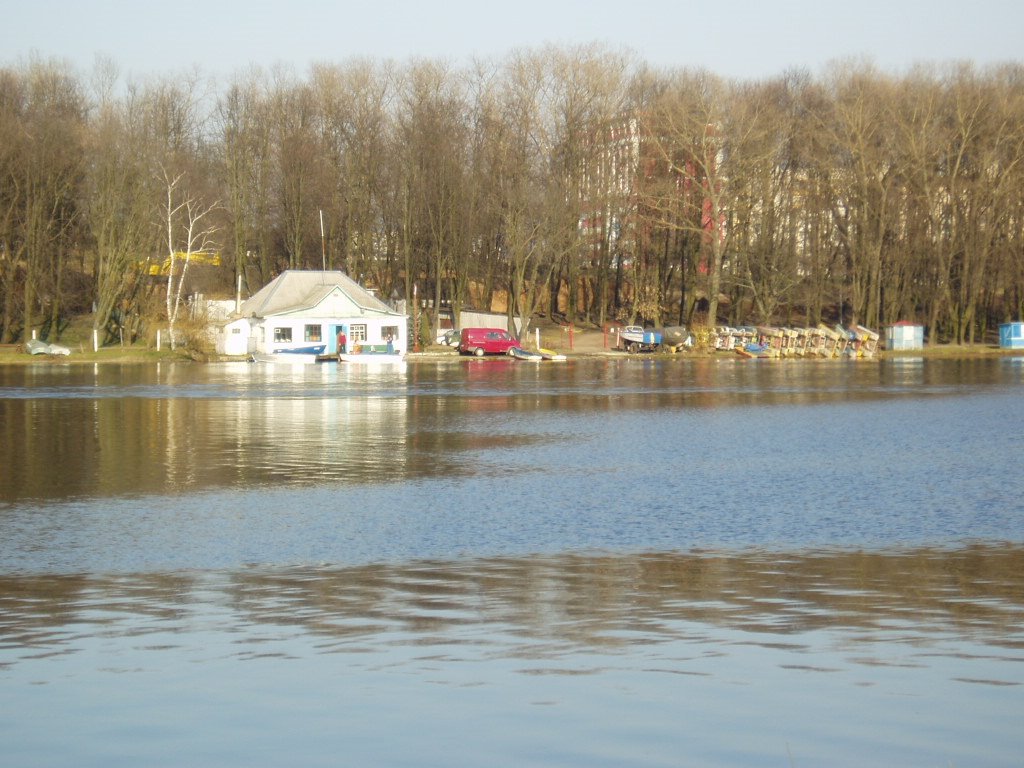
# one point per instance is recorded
(577, 183)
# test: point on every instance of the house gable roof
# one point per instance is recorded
(296, 291)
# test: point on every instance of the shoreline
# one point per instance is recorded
(138, 355)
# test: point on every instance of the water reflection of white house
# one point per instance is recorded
(300, 308)
(313, 423)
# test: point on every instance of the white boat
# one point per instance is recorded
(548, 354)
(36, 347)
(634, 338)
(372, 358)
(293, 356)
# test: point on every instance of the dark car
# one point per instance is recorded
(486, 341)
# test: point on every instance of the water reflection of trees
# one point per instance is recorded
(173, 429)
(59, 448)
(554, 602)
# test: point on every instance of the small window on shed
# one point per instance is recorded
(282, 334)
(313, 333)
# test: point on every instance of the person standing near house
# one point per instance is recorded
(342, 342)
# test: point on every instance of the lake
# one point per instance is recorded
(462, 562)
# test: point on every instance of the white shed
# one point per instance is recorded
(904, 335)
(236, 338)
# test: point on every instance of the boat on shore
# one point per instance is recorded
(36, 347)
(548, 354)
(634, 338)
(822, 341)
(291, 356)
(754, 350)
(524, 354)
(369, 358)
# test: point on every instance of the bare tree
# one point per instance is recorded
(12, 138)
(301, 185)
(592, 158)
(766, 174)
(353, 102)
(989, 200)
(46, 176)
(116, 202)
(477, 263)
(434, 134)
(527, 241)
(243, 117)
(866, 180)
(696, 137)
(188, 233)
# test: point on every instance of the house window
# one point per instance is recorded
(389, 332)
(236, 330)
(282, 334)
(313, 333)
(357, 333)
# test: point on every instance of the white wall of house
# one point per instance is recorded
(244, 337)
(285, 332)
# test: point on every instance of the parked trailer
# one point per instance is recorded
(633, 338)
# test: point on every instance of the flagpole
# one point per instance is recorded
(323, 242)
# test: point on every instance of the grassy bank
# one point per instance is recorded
(15, 356)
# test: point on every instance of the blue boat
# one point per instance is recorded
(312, 349)
(754, 350)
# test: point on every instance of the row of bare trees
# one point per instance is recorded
(575, 183)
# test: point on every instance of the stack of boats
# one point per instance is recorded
(822, 341)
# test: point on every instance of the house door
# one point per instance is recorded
(332, 347)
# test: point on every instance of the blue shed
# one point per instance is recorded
(1011, 335)
(904, 335)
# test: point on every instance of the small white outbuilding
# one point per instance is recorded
(904, 335)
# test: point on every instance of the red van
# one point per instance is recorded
(485, 341)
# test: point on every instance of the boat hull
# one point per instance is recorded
(371, 358)
(289, 358)
(524, 354)
(292, 356)
(36, 347)
(547, 354)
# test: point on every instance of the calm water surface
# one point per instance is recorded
(603, 562)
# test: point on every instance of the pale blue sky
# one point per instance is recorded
(747, 39)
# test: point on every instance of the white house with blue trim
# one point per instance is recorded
(304, 308)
